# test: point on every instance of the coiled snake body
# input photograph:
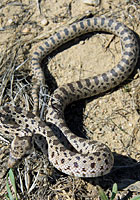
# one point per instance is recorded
(87, 158)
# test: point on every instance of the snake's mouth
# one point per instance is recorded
(12, 162)
(21, 147)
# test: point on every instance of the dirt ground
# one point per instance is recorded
(112, 118)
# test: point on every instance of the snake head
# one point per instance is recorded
(20, 148)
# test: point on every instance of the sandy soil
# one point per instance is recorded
(112, 118)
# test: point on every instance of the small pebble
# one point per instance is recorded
(26, 30)
(10, 21)
(92, 2)
(82, 42)
(44, 22)
(130, 124)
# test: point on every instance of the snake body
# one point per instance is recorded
(89, 158)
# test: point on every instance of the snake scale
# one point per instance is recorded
(74, 155)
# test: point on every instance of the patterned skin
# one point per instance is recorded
(82, 158)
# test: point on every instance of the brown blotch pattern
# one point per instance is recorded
(75, 164)
(73, 91)
(92, 165)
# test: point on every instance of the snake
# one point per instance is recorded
(69, 153)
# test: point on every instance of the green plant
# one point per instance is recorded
(136, 198)
(114, 192)
(10, 176)
(103, 195)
